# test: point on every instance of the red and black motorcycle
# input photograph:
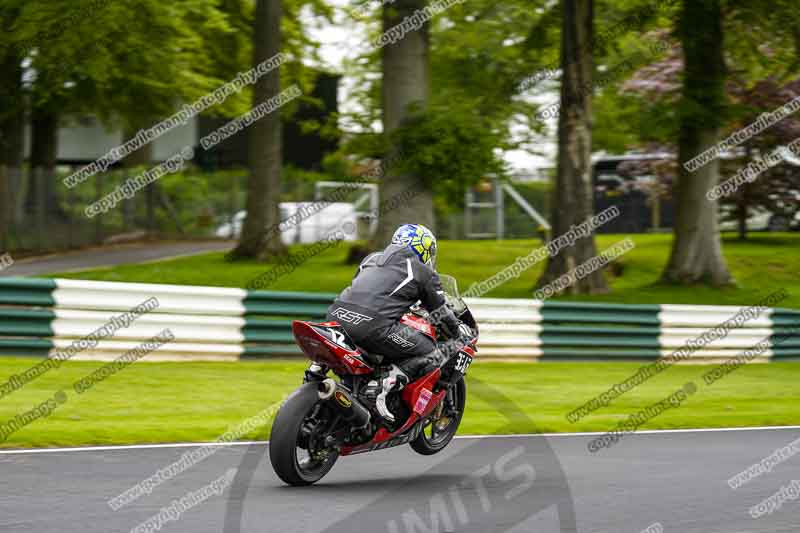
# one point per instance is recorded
(325, 418)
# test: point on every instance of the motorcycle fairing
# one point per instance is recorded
(420, 398)
(420, 324)
(328, 344)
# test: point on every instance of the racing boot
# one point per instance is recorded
(399, 376)
(395, 381)
(377, 390)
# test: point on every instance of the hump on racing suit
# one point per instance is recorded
(388, 283)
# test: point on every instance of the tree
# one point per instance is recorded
(696, 249)
(773, 189)
(405, 85)
(42, 196)
(11, 128)
(573, 187)
(264, 183)
(45, 114)
(12, 115)
(478, 55)
(764, 77)
(131, 66)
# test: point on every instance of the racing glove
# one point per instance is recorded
(465, 333)
(446, 320)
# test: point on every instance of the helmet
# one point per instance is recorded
(419, 240)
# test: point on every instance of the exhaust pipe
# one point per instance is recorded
(341, 400)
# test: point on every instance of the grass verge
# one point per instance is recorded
(195, 402)
(763, 264)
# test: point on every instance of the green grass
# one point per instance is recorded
(171, 402)
(763, 264)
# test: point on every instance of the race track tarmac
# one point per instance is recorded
(653, 482)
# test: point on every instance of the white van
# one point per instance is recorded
(313, 222)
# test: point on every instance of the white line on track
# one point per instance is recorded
(520, 435)
(130, 447)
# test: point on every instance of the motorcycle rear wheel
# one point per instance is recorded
(438, 440)
(288, 437)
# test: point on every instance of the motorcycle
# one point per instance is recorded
(325, 419)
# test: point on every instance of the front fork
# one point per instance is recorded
(438, 415)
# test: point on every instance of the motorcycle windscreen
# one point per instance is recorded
(456, 303)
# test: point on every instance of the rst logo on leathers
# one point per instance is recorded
(351, 317)
(401, 341)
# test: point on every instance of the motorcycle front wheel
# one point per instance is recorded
(437, 435)
(296, 448)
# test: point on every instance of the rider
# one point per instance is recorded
(386, 285)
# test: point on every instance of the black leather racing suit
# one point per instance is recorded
(386, 285)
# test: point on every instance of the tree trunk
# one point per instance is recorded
(743, 200)
(697, 248)
(5, 222)
(406, 81)
(655, 197)
(12, 121)
(42, 193)
(741, 213)
(142, 158)
(573, 193)
(264, 183)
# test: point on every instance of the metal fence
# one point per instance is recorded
(43, 214)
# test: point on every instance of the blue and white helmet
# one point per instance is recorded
(419, 240)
